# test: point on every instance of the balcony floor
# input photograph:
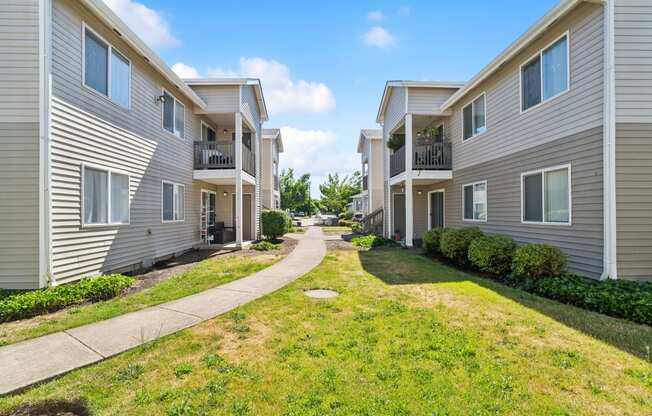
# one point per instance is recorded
(222, 176)
(423, 177)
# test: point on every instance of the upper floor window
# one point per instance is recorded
(545, 196)
(105, 196)
(174, 113)
(546, 75)
(474, 117)
(106, 70)
(474, 200)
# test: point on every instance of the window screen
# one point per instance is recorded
(533, 202)
(96, 66)
(531, 83)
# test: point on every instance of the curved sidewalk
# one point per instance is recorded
(40, 359)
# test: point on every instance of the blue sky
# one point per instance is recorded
(324, 64)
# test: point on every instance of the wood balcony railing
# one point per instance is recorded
(436, 156)
(365, 182)
(222, 156)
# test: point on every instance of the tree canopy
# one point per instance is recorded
(337, 191)
(295, 192)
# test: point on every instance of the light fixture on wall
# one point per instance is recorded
(419, 192)
(225, 194)
(159, 99)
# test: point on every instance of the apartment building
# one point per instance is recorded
(370, 148)
(108, 160)
(272, 147)
(551, 142)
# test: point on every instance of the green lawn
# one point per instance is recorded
(407, 336)
(205, 275)
(336, 230)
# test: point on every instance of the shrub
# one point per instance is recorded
(356, 227)
(347, 215)
(617, 298)
(274, 223)
(36, 302)
(345, 223)
(296, 230)
(454, 244)
(538, 260)
(432, 239)
(492, 254)
(369, 241)
(265, 245)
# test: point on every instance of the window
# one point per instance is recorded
(207, 133)
(474, 117)
(546, 196)
(474, 196)
(106, 70)
(105, 197)
(174, 113)
(546, 75)
(173, 202)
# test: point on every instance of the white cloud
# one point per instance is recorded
(151, 25)
(282, 93)
(379, 37)
(316, 152)
(185, 71)
(375, 15)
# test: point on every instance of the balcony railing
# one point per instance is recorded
(222, 156)
(214, 155)
(276, 185)
(436, 156)
(365, 182)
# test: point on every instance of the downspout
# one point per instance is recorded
(610, 264)
(45, 92)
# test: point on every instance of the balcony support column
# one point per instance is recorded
(258, 186)
(238, 180)
(409, 220)
(387, 197)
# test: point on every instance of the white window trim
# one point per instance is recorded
(175, 184)
(201, 202)
(543, 196)
(109, 171)
(443, 192)
(174, 116)
(85, 28)
(539, 54)
(203, 123)
(486, 198)
(486, 124)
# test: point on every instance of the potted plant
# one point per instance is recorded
(396, 141)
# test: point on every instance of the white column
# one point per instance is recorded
(238, 179)
(259, 182)
(388, 194)
(409, 211)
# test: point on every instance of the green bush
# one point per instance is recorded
(492, 254)
(36, 302)
(454, 244)
(369, 241)
(347, 215)
(275, 223)
(345, 223)
(617, 298)
(538, 260)
(356, 227)
(265, 245)
(432, 239)
(297, 230)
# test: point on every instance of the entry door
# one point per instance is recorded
(207, 217)
(399, 215)
(436, 210)
(247, 209)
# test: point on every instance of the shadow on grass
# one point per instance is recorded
(397, 267)
(52, 408)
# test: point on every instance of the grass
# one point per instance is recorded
(296, 230)
(205, 275)
(406, 336)
(336, 229)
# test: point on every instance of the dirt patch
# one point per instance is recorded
(340, 245)
(51, 408)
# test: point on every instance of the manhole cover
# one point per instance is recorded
(321, 293)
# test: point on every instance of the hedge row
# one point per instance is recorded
(540, 269)
(27, 304)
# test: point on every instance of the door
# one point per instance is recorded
(436, 205)
(399, 215)
(207, 217)
(247, 210)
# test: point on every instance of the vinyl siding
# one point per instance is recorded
(582, 241)
(634, 199)
(249, 105)
(633, 50)
(395, 109)
(266, 178)
(19, 144)
(19, 61)
(376, 174)
(219, 99)
(19, 205)
(581, 108)
(427, 100)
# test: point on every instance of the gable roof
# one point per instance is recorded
(106, 15)
(556, 13)
(254, 82)
(368, 134)
(274, 134)
(414, 84)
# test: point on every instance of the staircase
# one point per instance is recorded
(373, 223)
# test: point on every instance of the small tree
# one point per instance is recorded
(275, 223)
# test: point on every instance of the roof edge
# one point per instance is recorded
(412, 84)
(254, 82)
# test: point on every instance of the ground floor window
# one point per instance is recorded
(546, 196)
(474, 196)
(105, 196)
(173, 202)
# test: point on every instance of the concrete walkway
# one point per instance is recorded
(40, 359)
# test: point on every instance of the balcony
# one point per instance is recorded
(276, 184)
(436, 156)
(365, 182)
(212, 155)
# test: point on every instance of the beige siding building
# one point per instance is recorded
(109, 161)
(549, 143)
(272, 147)
(370, 148)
